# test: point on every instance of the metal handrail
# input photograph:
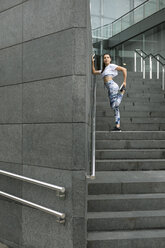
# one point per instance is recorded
(140, 52)
(94, 131)
(150, 54)
(61, 216)
(93, 162)
(61, 190)
(106, 25)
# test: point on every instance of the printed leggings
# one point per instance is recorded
(115, 98)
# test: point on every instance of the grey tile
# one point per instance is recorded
(48, 100)
(11, 104)
(11, 27)
(56, 100)
(79, 226)
(8, 184)
(5, 4)
(41, 230)
(79, 93)
(80, 9)
(48, 145)
(42, 17)
(10, 224)
(11, 143)
(81, 52)
(10, 211)
(48, 57)
(55, 145)
(11, 65)
(79, 194)
(79, 144)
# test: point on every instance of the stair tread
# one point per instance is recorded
(138, 234)
(125, 196)
(129, 160)
(128, 177)
(154, 131)
(125, 214)
(136, 149)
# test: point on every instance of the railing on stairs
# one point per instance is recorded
(94, 129)
(92, 173)
(135, 15)
(60, 193)
(144, 56)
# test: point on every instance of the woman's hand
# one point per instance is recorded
(93, 58)
(124, 83)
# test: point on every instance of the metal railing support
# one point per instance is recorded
(141, 60)
(157, 57)
(163, 78)
(150, 59)
(144, 69)
(134, 61)
(94, 130)
(157, 66)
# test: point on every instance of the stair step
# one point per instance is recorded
(130, 144)
(125, 220)
(131, 126)
(132, 98)
(136, 135)
(130, 154)
(127, 239)
(135, 120)
(131, 202)
(133, 85)
(127, 182)
(130, 164)
(130, 114)
(131, 91)
(137, 106)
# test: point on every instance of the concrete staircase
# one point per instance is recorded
(126, 201)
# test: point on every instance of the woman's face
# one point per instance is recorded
(107, 59)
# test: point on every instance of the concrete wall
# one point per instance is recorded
(45, 89)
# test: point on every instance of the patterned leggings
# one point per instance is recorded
(115, 98)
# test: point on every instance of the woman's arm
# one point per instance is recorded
(124, 70)
(94, 71)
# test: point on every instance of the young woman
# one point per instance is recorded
(115, 94)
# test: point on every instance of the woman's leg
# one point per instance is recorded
(115, 106)
(117, 116)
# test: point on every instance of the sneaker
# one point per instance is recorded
(122, 87)
(117, 129)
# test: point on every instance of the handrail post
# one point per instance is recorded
(150, 59)
(144, 69)
(157, 66)
(163, 78)
(135, 61)
(141, 60)
(93, 130)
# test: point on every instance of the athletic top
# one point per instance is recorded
(110, 70)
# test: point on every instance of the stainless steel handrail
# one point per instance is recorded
(61, 190)
(94, 131)
(61, 216)
(106, 25)
(93, 114)
(140, 52)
